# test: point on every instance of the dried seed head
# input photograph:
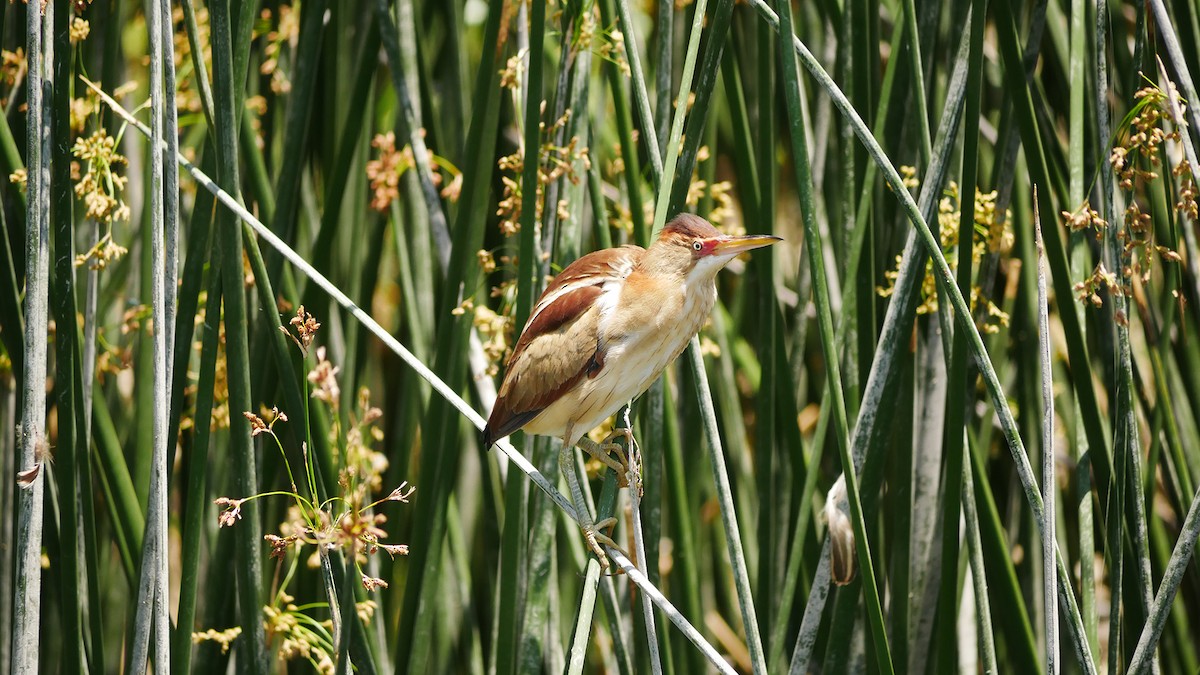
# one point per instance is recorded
(372, 583)
(324, 380)
(257, 426)
(232, 512)
(401, 494)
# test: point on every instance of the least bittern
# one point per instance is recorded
(603, 331)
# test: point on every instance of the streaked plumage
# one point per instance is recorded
(607, 326)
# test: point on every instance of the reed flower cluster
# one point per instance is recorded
(317, 526)
(992, 238)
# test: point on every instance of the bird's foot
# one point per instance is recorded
(603, 453)
(619, 432)
(596, 538)
(626, 465)
(601, 540)
(631, 462)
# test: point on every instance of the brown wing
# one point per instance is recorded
(560, 343)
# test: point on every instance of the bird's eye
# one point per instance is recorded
(696, 245)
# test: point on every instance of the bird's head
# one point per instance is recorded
(690, 246)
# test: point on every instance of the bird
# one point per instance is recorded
(603, 331)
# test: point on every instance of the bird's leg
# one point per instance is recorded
(566, 465)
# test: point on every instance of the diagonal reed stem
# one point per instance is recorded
(820, 288)
(896, 322)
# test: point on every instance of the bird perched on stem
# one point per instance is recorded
(603, 331)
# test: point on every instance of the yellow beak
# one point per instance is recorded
(736, 245)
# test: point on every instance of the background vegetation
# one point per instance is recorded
(220, 468)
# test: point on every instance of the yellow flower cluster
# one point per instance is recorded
(992, 237)
(101, 185)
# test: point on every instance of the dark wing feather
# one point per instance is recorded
(550, 358)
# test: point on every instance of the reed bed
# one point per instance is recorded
(263, 263)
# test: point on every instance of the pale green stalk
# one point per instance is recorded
(1049, 580)
(152, 590)
(30, 477)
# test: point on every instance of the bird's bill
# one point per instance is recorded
(736, 245)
